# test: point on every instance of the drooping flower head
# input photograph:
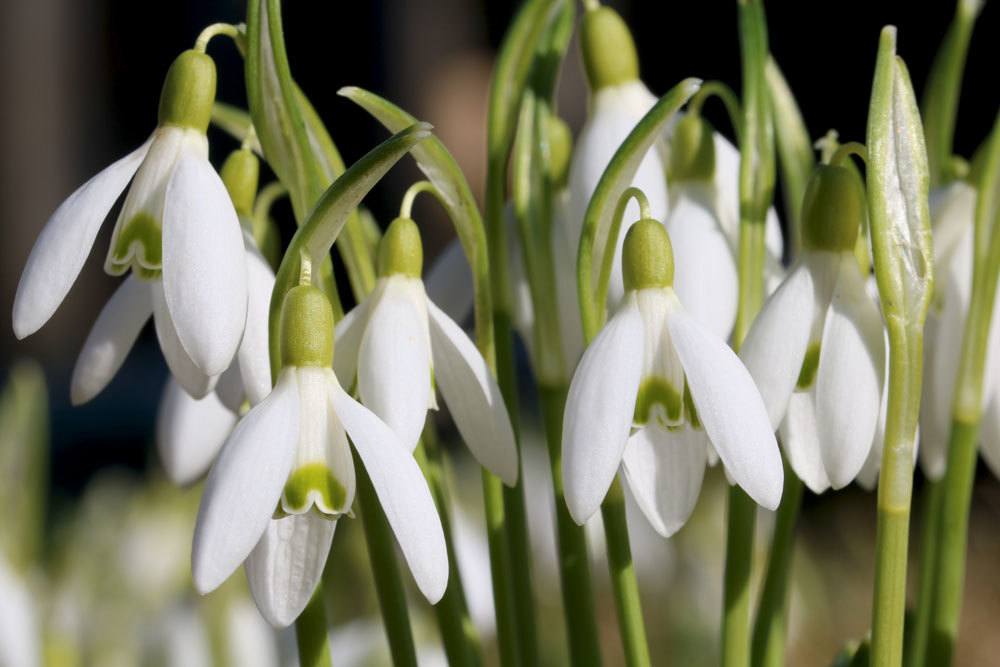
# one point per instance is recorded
(397, 346)
(177, 233)
(286, 475)
(653, 391)
(816, 350)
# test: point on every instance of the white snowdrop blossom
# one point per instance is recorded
(397, 345)
(653, 391)
(286, 475)
(177, 232)
(817, 348)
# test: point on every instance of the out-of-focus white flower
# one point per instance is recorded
(20, 637)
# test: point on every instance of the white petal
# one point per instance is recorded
(113, 335)
(204, 264)
(253, 356)
(449, 282)
(473, 397)
(599, 410)
(849, 377)
(394, 362)
(244, 486)
(868, 477)
(347, 336)
(65, 241)
(286, 565)
(20, 636)
(229, 388)
(776, 344)
(704, 267)
(730, 408)
(800, 441)
(190, 432)
(194, 381)
(664, 470)
(402, 491)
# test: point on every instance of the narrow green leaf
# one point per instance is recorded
(898, 185)
(236, 123)
(593, 277)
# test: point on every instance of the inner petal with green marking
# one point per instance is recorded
(660, 400)
(137, 245)
(313, 485)
(810, 364)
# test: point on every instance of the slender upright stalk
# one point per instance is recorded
(916, 649)
(310, 633)
(623, 581)
(768, 644)
(503, 592)
(741, 519)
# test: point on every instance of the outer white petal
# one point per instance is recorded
(473, 397)
(113, 335)
(194, 381)
(989, 445)
(599, 410)
(800, 440)
(190, 432)
(65, 241)
(253, 356)
(347, 335)
(229, 388)
(705, 276)
(776, 344)
(20, 638)
(664, 470)
(402, 491)
(730, 409)
(244, 485)
(449, 282)
(204, 264)
(287, 563)
(849, 377)
(394, 362)
(868, 477)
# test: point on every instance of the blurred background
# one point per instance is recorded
(81, 80)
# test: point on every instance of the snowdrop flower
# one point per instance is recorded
(177, 232)
(397, 345)
(619, 101)
(20, 636)
(286, 475)
(816, 350)
(651, 392)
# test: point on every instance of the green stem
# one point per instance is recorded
(310, 633)
(623, 580)
(503, 593)
(742, 515)
(458, 633)
(895, 489)
(952, 538)
(768, 645)
(388, 581)
(916, 650)
(574, 563)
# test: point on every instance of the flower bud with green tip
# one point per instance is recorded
(817, 349)
(286, 475)
(654, 392)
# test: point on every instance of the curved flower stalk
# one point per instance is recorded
(817, 349)
(286, 475)
(652, 391)
(177, 232)
(397, 344)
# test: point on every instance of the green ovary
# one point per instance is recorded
(655, 392)
(139, 245)
(313, 478)
(810, 364)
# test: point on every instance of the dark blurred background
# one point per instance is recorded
(81, 80)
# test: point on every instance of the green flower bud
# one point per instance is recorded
(647, 256)
(400, 251)
(306, 328)
(609, 54)
(692, 150)
(188, 92)
(240, 174)
(560, 149)
(833, 209)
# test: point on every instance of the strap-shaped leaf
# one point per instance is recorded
(592, 276)
(898, 185)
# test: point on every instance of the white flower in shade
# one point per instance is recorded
(286, 475)
(397, 345)
(650, 394)
(177, 232)
(20, 636)
(816, 350)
